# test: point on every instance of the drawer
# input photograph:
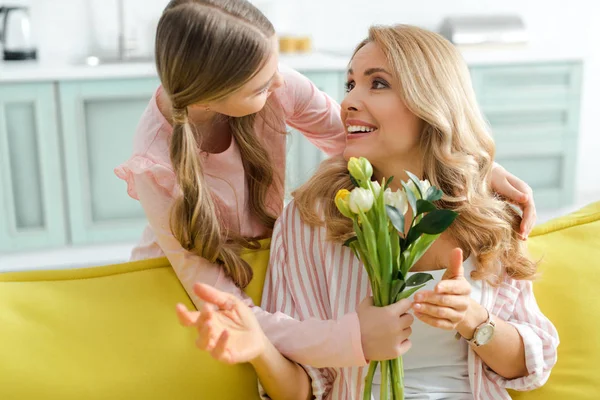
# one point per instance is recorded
(527, 84)
(539, 171)
(547, 166)
(547, 123)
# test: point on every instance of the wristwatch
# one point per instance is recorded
(483, 333)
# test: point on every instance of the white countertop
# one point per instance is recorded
(28, 71)
(517, 54)
(54, 71)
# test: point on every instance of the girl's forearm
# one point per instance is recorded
(281, 378)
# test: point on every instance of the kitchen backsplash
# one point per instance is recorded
(71, 29)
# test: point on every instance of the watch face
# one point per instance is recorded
(485, 334)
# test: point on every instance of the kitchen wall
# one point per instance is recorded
(71, 29)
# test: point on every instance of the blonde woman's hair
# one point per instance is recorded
(205, 50)
(458, 153)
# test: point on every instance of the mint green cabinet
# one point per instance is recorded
(59, 144)
(533, 110)
(99, 119)
(31, 190)
(303, 158)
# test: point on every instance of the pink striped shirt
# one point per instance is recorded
(311, 278)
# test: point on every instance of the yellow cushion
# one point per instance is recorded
(110, 333)
(567, 292)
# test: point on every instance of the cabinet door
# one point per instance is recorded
(533, 110)
(31, 186)
(303, 157)
(99, 119)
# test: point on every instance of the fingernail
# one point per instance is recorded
(418, 306)
(419, 297)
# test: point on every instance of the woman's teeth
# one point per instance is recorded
(355, 129)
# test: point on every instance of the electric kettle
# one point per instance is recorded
(15, 33)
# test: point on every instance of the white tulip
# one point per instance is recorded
(396, 199)
(376, 188)
(424, 186)
(360, 199)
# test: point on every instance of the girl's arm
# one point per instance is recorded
(244, 341)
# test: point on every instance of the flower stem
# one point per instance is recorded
(369, 380)
(398, 379)
(385, 374)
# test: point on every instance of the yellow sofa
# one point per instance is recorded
(111, 332)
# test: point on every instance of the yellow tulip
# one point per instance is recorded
(341, 201)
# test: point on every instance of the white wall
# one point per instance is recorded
(71, 29)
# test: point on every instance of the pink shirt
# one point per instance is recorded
(151, 180)
(310, 278)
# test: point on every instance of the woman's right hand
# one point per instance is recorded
(384, 330)
(227, 328)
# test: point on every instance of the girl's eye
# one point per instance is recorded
(349, 86)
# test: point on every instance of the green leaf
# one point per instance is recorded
(395, 217)
(418, 279)
(436, 222)
(387, 184)
(407, 293)
(412, 236)
(354, 181)
(370, 240)
(353, 246)
(416, 181)
(424, 206)
(402, 243)
(400, 276)
(397, 287)
(433, 194)
(384, 247)
(412, 200)
(420, 247)
(350, 240)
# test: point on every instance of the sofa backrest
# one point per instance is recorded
(568, 292)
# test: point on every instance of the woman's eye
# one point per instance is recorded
(349, 86)
(380, 84)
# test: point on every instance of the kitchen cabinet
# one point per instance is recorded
(533, 111)
(303, 158)
(32, 208)
(99, 119)
(60, 141)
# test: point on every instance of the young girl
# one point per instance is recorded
(412, 89)
(209, 159)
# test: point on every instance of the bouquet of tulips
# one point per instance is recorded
(388, 247)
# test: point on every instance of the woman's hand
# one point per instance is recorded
(517, 192)
(226, 327)
(384, 331)
(446, 306)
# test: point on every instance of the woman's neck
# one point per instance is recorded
(397, 168)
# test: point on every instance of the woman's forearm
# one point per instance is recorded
(505, 353)
(281, 378)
